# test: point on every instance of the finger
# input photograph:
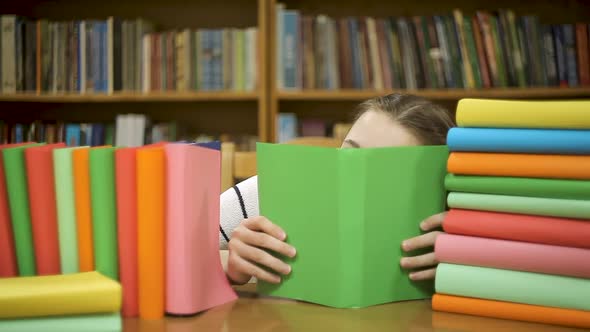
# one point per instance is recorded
(422, 241)
(242, 266)
(261, 257)
(433, 222)
(417, 262)
(264, 240)
(262, 224)
(423, 275)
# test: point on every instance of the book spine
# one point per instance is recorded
(291, 44)
(570, 51)
(582, 52)
(550, 56)
(560, 54)
(8, 24)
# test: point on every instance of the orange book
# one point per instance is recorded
(151, 198)
(509, 310)
(520, 165)
(83, 209)
(41, 185)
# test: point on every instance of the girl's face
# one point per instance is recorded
(377, 129)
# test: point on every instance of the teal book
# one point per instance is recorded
(346, 211)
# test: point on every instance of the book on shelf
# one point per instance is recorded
(123, 55)
(289, 127)
(481, 49)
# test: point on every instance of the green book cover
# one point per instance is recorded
(428, 47)
(517, 55)
(20, 214)
(346, 211)
(471, 49)
(66, 209)
(104, 210)
(107, 322)
(500, 60)
(455, 51)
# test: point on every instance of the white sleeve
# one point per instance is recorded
(236, 204)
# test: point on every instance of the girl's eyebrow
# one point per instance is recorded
(352, 143)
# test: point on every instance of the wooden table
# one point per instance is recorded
(262, 314)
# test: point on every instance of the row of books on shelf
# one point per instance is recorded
(453, 50)
(106, 56)
(290, 127)
(128, 130)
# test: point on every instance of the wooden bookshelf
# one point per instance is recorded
(449, 94)
(206, 112)
(339, 105)
(229, 96)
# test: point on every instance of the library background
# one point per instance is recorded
(133, 72)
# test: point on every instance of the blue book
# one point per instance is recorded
(73, 134)
(97, 134)
(290, 48)
(18, 133)
(560, 54)
(205, 60)
(217, 46)
(287, 127)
(357, 73)
(569, 43)
(537, 141)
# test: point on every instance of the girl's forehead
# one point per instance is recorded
(378, 129)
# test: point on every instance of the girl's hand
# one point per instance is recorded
(246, 253)
(425, 264)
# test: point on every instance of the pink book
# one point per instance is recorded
(513, 255)
(195, 280)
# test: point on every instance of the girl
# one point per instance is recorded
(393, 120)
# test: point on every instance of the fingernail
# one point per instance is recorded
(288, 269)
(403, 261)
(293, 252)
(405, 245)
(283, 236)
(412, 276)
(422, 225)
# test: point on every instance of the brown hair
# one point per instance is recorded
(428, 121)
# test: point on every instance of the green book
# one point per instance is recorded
(513, 286)
(20, 214)
(66, 209)
(514, 186)
(346, 211)
(110, 322)
(472, 50)
(104, 210)
(538, 206)
(500, 60)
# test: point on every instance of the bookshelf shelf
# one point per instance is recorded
(447, 94)
(131, 97)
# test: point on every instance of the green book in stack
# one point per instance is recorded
(18, 200)
(346, 211)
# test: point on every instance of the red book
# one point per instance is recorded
(126, 186)
(41, 185)
(8, 266)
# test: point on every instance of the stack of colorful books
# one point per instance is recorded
(147, 217)
(518, 242)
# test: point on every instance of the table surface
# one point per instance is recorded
(252, 312)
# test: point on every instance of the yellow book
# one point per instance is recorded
(569, 114)
(69, 294)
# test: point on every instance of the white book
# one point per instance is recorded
(279, 45)
(146, 59)
(110, 55)
(8, 49)
(82, 70)
(120, 130)
(252, 60)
